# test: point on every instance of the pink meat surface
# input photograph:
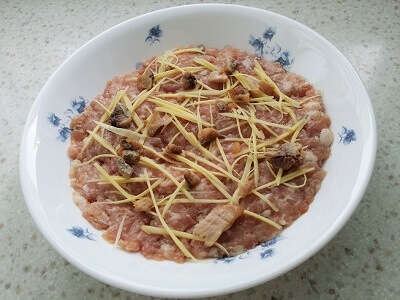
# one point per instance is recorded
(246, 231)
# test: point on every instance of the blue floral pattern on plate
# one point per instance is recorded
(62, 124)
(265, 250)
(80, 233)
(155, 33)
(138, 65)
(265, 47)
(347, 136)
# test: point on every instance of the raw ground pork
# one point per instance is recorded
(246, 232)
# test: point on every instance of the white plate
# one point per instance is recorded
(44, 163)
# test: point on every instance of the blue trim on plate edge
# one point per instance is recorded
(265, 250)
(347, 136)
(62, 124)
(154, 35)
(80, 233)
(267, 48)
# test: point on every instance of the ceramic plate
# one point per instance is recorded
(44, 164)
